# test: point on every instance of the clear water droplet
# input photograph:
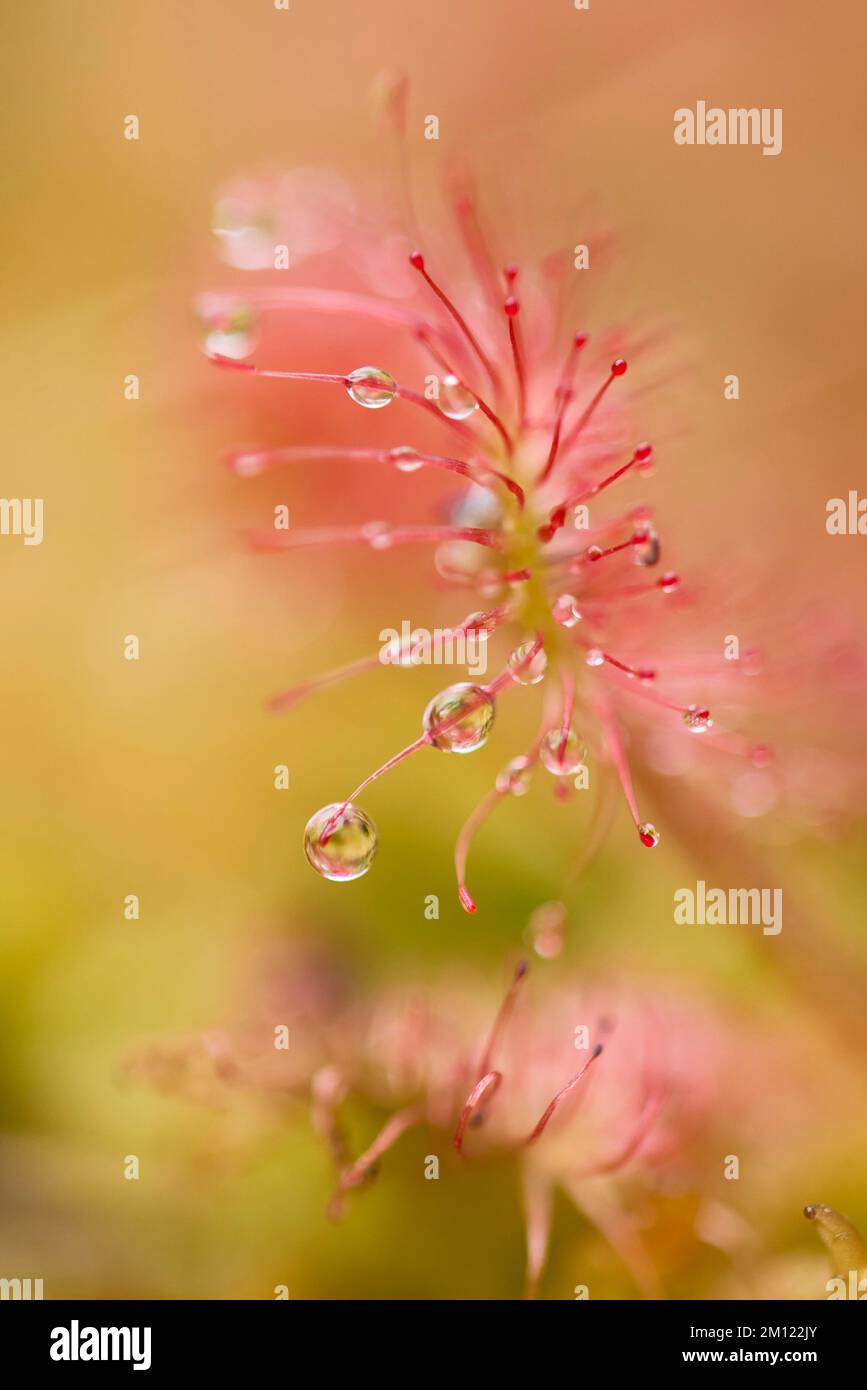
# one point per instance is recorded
(371, 387)
(528, 672)
(405, 459)
(228, 328)
(646, 550)
(377, 534)
(565, 610)
(595, 657)
(562, 754)
(459, 718)
(697, 720)
(515, 777)
(648, 835)
(350, 842)
(455, 400)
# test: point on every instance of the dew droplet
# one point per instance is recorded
(455, 400)
(377, 534)
(593, 553)
(648, 835)
(565, 610)
(528, 672)
(371, 387)
(515, 777)
(349, 846)
(562, 754)
(669, 581)
(459, 718)
(405, 458)
(595, 657)
(228, 327)
(646, 548)
(697, 720)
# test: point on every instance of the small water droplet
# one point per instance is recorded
(593, 553)
(459, 718)
(565, 610)
(371, 387)
(595, 657)
(455, 400)
(350, 845)
(697, 720)
(377, 534)
(528, 672)
(405, 459)
(562, 754)
(645, 551)
(249, 464)
(547, 928)
(648, 835)
(669, 582)
(515, 777)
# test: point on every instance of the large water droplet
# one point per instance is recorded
(460, 718)
(515, 777)
(455, 400)
(565, 610)
(371, 387)
(350, 844)
(562, 754)
(697, 720)
(528, 672)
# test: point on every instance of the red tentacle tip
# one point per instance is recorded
(580, 340)
(521, 969)
(416, 259)
(643, 452)
(618, 366)
(511, 273)
(511, 306)
(466, 901)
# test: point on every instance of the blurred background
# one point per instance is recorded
(155, 777)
